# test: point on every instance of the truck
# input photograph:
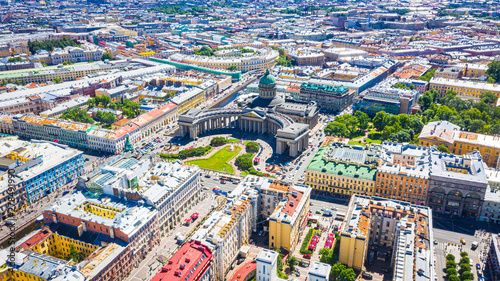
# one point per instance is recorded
(327, 213)
(179, 237)
(474, 245)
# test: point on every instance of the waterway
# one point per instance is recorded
(20, 234)
(228, 100)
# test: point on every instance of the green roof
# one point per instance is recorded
(267, 78)
(340, 169)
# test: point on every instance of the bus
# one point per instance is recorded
(231, 178)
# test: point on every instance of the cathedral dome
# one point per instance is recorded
(267, 79)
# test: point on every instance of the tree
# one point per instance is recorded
(347, 275)
(380, 120)
(489, 98)
(336, 129)
(450, 257)
(252, 147)
(218, 141)
(453, 278)
(464, 259)
(450, 264)
(464, 254)
(57, 80)
(106, 56)
(494, 70)
(451, 271)
(464, 267)
(443, 149)
(65, 63)
(292, 262)
(78, 115)
(467, 275)
(336, 270)
(105, 117)
(490, 80)
(363, 119)
(232, 68)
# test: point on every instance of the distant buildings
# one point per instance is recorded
(464, 89)
(375, 227)
(263, 59)
(307, 56)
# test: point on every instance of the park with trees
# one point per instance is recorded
(482, 116)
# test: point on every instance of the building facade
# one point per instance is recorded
(330, 98)
(460, 142)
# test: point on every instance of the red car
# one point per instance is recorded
(307, 256)
(194, 216)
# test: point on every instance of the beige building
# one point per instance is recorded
(374, 227)
(288, 219)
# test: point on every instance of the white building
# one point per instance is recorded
(319, 271)
(267, 265)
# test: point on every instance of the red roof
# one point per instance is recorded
(290, 89)
(169, 106)
(36, 239)
(243, 271)
(189, 263)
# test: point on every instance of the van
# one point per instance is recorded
(474, 245)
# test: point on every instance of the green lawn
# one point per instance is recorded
(368, 140)
(218, 161)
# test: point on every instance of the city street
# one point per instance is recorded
(168, 245)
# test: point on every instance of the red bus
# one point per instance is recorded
(329, 241)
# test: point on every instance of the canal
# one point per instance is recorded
(228, 100)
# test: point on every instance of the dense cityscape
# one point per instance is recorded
(249, 140)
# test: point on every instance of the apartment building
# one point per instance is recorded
(464, 89)
(106, 262)
(460, 142)
(457, 184)
(42, 168)
(87, 52)
(473, 70)
(390, 226)
(193, 261)
(342, 170)
(170, 187)
(307, 56)
(452, 72)
(289, 218)
(33, 104)
(128, 221)
(493, 259)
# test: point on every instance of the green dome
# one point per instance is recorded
(267, 78)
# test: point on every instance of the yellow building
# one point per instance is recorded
(188, 99)
(343, 175)
(460, 143)
(263, 59)
(287, 221)
(389, 226)
(474, 70)
(464, 89)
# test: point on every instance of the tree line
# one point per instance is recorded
(50, 44)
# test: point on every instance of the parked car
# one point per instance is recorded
(307, 256)
(366, 276)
